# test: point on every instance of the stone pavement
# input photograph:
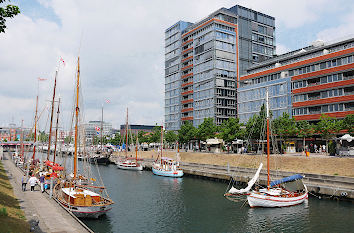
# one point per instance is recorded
(38, 206)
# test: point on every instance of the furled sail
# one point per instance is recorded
(250, 183)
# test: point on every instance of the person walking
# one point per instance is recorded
(33, 181)
(41, 180)
(24, 182)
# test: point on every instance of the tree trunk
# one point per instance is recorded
(303, 145)
(327, 147)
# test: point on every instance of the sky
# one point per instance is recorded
(121, 49)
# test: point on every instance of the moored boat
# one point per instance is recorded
(166, 166)
(285, 192)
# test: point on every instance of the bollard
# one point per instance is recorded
(51, 187)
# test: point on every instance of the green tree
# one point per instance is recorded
(206, 130)
(285, 127)
(327, 127)
(230, 130)
(170, 137)
(348, 123)
(8, 11)
(186, 133)
(155, 136)
(304, 130)
(255, 126)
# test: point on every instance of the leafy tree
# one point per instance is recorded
(206, 130)
(305, 130)
(285, 127)
(327, 127)
(170, 137)
(348, 123)
(186, 133)
(43, 137)
(255, 126)
(230, 130)
(8, 11)
(155, 136)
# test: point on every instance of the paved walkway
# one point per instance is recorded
(38, 206)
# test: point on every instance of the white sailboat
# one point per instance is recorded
(288, 191)
(129, 163)
(166, 166)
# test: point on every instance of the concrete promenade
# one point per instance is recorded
(38, 206)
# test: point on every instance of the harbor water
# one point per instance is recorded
(148, 203)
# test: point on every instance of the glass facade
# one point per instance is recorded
(201, 63)
(252, 97)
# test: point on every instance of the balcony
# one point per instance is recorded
(187, 92)
(187, 101)
(187, 110)
(187, 118)
(186, 75)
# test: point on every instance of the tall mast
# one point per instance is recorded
(126, 136)
(161, 141)
(102, 130)
(22, 147)
(76, 114)
(268, 147)
(136, 149)
(56, 132)
(35, 131)
(51, 116)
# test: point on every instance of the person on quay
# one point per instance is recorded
(24, 180)
(33, 181)
(42, 180)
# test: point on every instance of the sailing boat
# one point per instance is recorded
(101, 156)
(285, 192)
(130, 163)
(166, 166)
(86, 201)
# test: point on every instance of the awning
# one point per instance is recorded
(347, 137)
(286, 179)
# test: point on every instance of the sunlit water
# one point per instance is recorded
(148, 203)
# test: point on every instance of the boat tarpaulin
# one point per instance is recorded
(286, 179)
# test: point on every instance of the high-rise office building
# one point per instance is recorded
(203, 62)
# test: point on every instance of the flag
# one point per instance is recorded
(41, 79)
(108, 101)
(62, 60)
(97, 130)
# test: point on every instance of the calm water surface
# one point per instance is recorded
(148, 203)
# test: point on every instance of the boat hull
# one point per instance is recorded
(87, 211)
(100, 160)
(159, 172)
(261, 200)
(138, 167)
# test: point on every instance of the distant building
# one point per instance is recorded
(135, 129)
(308, 82)
(203, 62)
(13, 133)
(93, 128)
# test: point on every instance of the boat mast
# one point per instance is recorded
(126, 136)
(56, 132)
(102, 130)
(76, 115)
(22, 147)
(35, 129)
(51, 116)
(136, 149)
(161, 141)
(268, 147)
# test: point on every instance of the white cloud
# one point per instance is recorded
(344, 30)
(121, 52)
(281, 49)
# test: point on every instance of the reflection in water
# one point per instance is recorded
(148, 203)
(289, 219)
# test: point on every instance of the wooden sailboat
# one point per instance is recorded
(129, 163)
(288, 191)
(101, 156)
(166, 166)
(85, 201)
